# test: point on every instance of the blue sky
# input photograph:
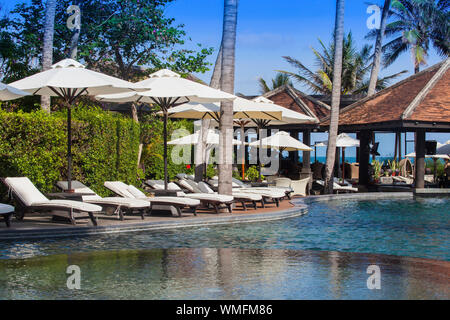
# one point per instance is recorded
(268, 30)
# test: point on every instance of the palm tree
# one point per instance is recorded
(356, 65)
(200, 152)
(47, 48)
(336, 94)
(280, 80)
(378, 48)
(227, 85)
(418, 24)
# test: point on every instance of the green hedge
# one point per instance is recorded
(105, 147)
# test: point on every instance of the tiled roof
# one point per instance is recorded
(295, 100)
(424, 97)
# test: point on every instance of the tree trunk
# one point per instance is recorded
(47, 47)
(227, 85)
(201, 146)
(378, 47)
(335, 96)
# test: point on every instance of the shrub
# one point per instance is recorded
(104, 146)
(152, 155)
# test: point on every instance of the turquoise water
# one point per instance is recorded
(414, 228)
(223, 274)
(322, 255)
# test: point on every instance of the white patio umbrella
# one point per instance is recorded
(442, 152)
(282, 141)
(168, 89)
(212, 139)
(10, 93)
(343, 141)
(242, 109)
(69, 79)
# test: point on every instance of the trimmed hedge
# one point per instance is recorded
(105, 147)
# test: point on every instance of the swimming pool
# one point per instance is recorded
(415, 228)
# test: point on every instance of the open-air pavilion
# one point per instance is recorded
(419, 104)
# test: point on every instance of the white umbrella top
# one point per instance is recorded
(282, 141)
(10, 93)
(288, 116)
(242, 109)
(170, 88)
(442, 152)
(212, 139)
(69, 78)
(344, 141)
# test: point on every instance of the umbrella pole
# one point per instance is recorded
(69, 148)
(243, 150)
(165, 147)
(343, 164)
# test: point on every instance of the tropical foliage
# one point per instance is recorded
(105, 147)
(417, 25)
(281, 79)
(117, 37)
(356, 66)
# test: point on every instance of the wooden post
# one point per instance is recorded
(364, 157)
(420, 159)
(306, 169)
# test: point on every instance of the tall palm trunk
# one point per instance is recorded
(335, 95)
(227, 85)
(47, 48)
(200, 152)
(378, 49)
(75, 37)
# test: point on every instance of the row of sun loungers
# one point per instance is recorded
(130, 200)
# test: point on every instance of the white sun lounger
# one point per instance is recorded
(238, 195)
(6, 211)
(268, 194)
(131, 192)
(338, 188)
(119, 204)
(216, 200)
(29, 199)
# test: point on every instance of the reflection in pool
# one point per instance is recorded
(415, 228)
(223, 274)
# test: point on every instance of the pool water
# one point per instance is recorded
(321, 255)
(223, 274)
(415, 228)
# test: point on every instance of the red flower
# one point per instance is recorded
(188, 166)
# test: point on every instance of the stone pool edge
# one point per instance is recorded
(297, 210)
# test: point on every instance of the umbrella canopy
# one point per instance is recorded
(212, 139)
(343, 141)
(282, 141)
(242, 109)
(69, 79)
(10, 93)
(168, 89)
(442, 152)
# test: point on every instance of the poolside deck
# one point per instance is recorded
(41, 225)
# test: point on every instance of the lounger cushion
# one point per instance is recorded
(247, 196)
(120, 188)
(190, 185)
(138, 194)
(77, 186)
(265, 193)
(210, 197)
(176, 201)
(204, 187)
(75, 205)
(124, 202)
(25, 190)
(4, 208)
